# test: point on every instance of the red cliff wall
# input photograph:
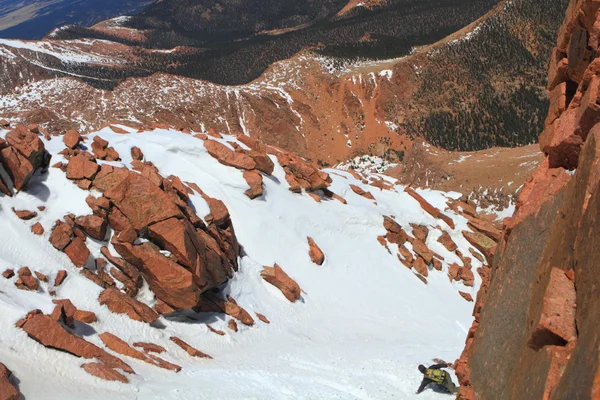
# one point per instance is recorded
(537, 333)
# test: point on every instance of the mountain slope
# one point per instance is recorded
(35, 19)
(362, 298)
(323, 107)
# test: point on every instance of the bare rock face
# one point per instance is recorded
(7, 390)
(141, 202)
(278, 278)
(169, 281)
(537, 318)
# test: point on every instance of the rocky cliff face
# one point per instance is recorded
(536, 331)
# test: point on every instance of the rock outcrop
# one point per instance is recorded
(180, 256)
(535, 333)
(21, 155)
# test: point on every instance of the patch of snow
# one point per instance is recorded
(369, 164)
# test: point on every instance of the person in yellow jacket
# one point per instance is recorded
(436, 375)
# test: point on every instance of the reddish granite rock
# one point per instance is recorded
(466, 296)
(482, 243)
(263, 162)
(263, 318)
(60, 277)
(228, 157)
(87, 317)
(7, 390)
(120, 303)
(329, 194)
(421, 249)
(22, 156)
(118, 130)
(41, 277)
(213, 330)
(420, 266)
(359, 191)
(150, 347)
(26, 281)
(136, 154)
(391, 225)
(118, 345)
(71, 139)
(25, 215)
(255, 181)
(169, 281)
(556, 323)
(543, 184)
(77, 252)
(278, 278)
(142, 202)
(231, 308)
(485, 227)
(302, 175)
(454, 271)
(164, 364)
(9, 273)
(109, 177)
(64, 312)
(447, 241)
(315, 252)
(434, 212)
(420, 232)
(93, 226)
(103, 372)
(81, 167)
(61, 235)
(50, 333)
(566, 153)
(232, 325)
(37, 229)
(189, 349)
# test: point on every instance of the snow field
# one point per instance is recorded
(363, 324)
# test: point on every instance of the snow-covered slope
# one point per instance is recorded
(363, 324)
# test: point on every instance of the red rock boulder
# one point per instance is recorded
(278, 278)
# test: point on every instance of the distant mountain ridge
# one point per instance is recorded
(32, 19)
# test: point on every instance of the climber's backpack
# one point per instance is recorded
(436, 375)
